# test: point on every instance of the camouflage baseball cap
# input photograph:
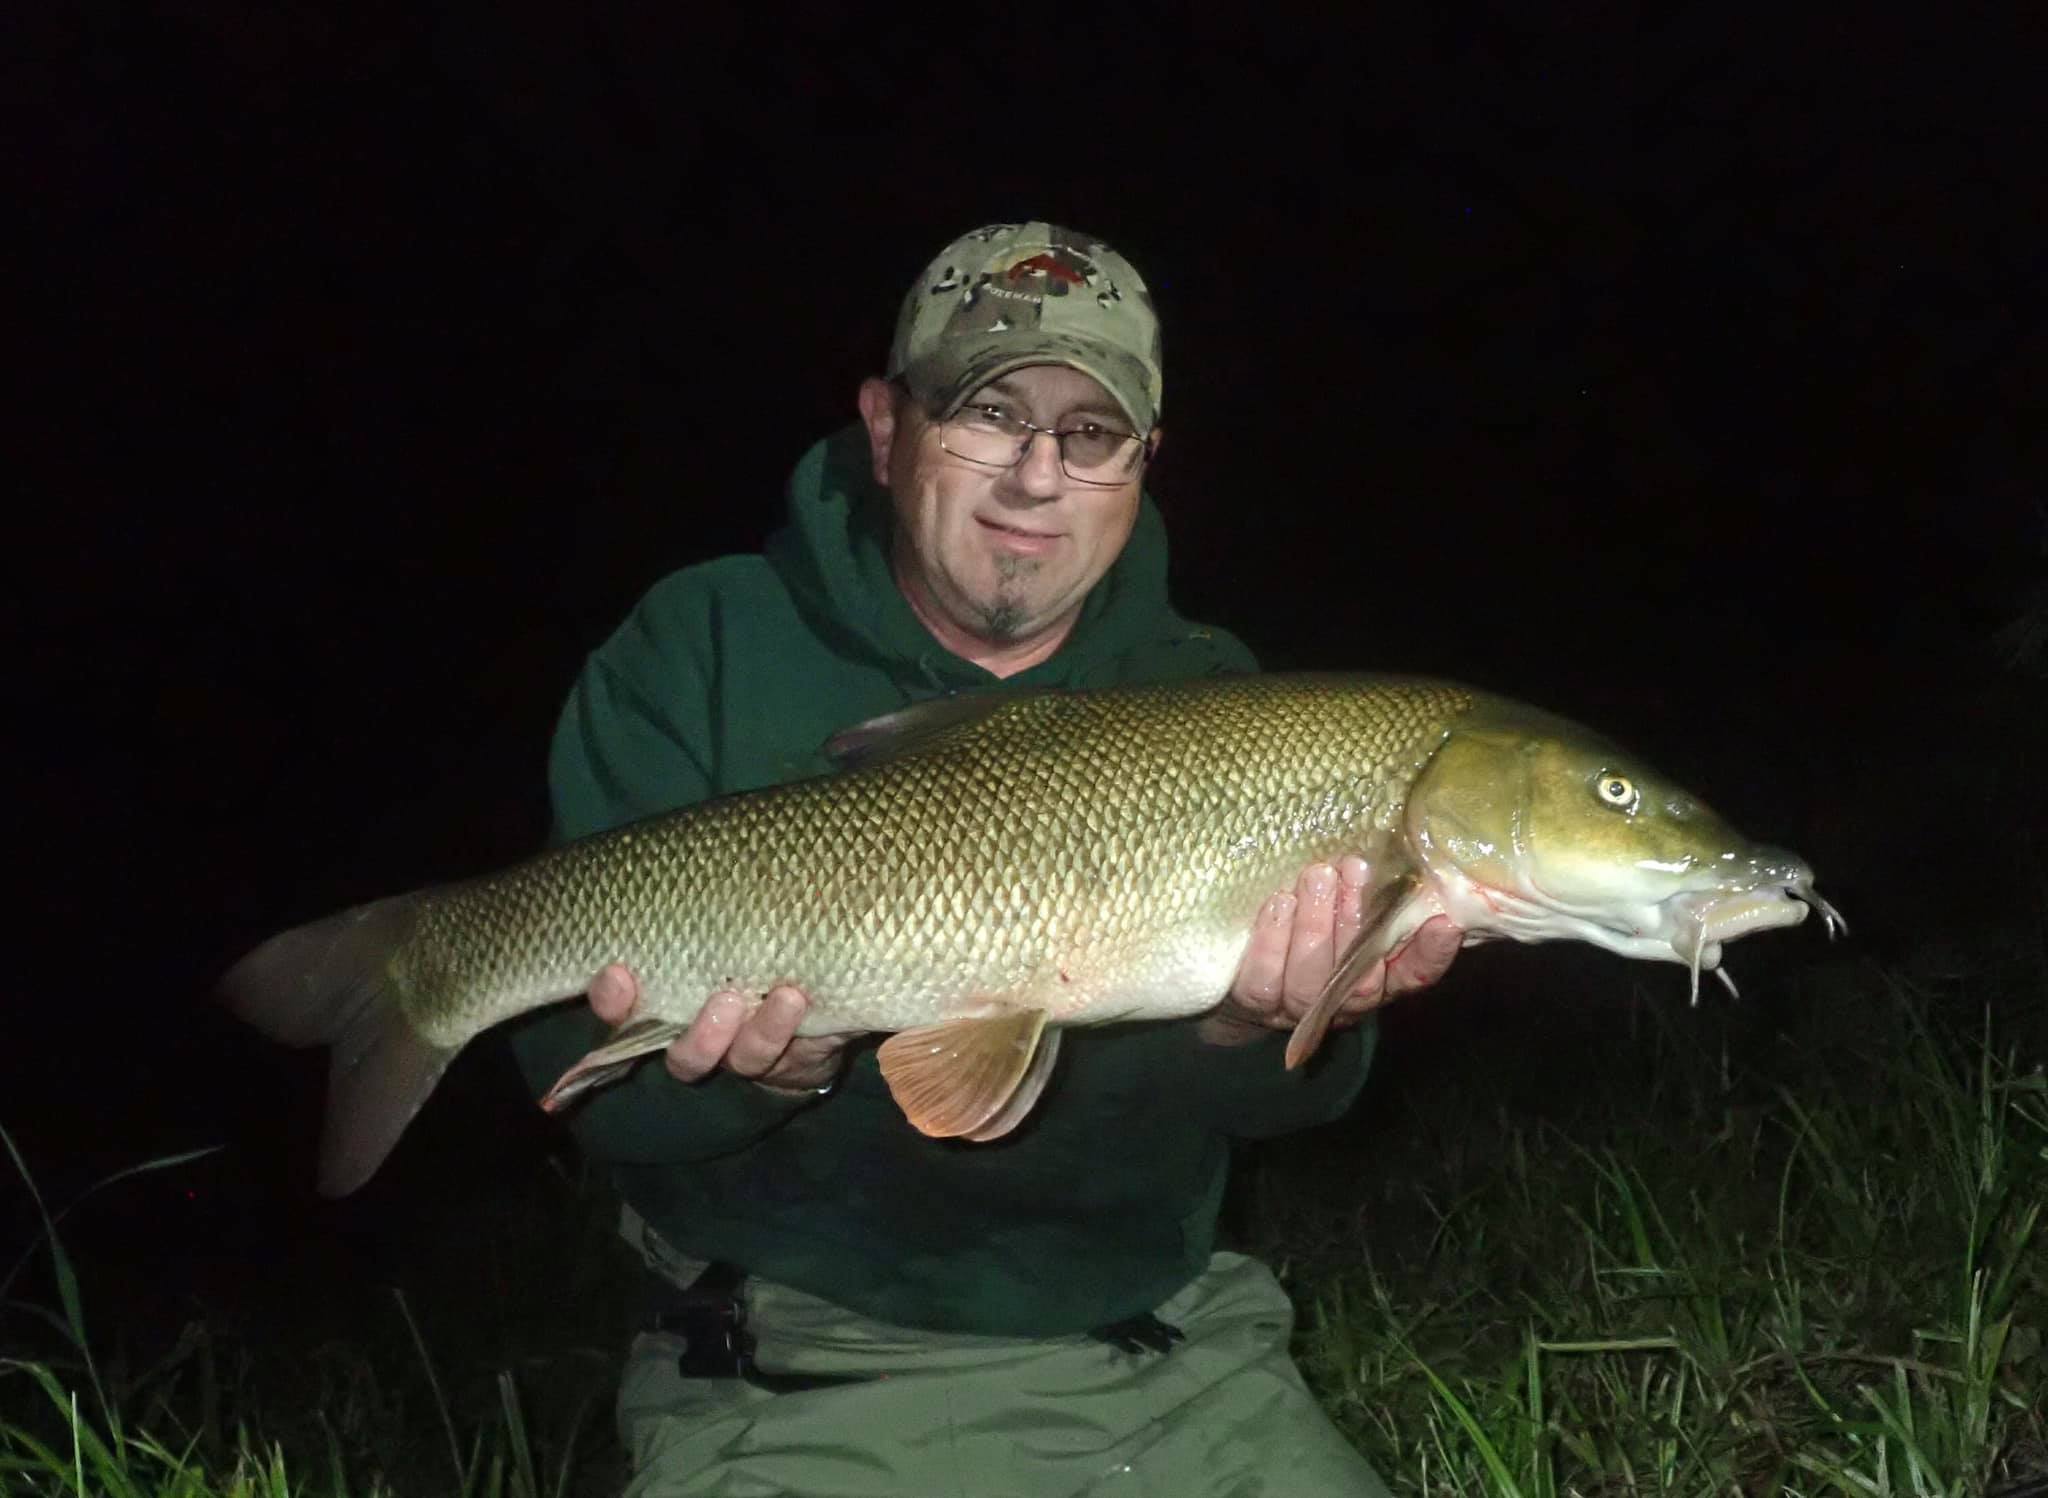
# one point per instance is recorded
(1007, 295)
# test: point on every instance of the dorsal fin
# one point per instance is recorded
(910, 730)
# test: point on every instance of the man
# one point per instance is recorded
(860, 1309)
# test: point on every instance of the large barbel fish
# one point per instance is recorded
(987, 870)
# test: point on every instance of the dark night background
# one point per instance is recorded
(1678, 373)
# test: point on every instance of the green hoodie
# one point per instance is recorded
(729, 676)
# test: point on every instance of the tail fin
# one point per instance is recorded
(330, 983)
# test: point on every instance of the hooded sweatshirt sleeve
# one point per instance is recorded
(1247, 1092)
(634, 740)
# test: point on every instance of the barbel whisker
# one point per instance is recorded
(1699, 940)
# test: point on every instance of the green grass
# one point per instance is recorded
(352, 1417)
(1820, 1273)
(1789, 1246)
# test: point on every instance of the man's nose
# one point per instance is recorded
(1038, 473)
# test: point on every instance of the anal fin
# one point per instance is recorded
(969, 1078)
(1021, 1101)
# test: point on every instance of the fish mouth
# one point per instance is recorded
(1700, 923)
(1690, 926)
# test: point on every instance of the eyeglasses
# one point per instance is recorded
(990, 437)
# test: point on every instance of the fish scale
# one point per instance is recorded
(989, 867)
(1056, 831)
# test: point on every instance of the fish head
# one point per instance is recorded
(1532, 828)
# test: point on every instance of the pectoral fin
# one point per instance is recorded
(1376, 930)
(612, 1060)
(969, 1078)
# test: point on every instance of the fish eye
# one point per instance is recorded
(1618, 790)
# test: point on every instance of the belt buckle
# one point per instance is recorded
(712, 1322)
(714, 1344)
(711, 1319)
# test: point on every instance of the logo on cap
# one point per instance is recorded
(1049, 265)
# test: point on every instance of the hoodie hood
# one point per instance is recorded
(833, 556)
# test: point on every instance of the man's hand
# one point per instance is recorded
(762, 1046)
(1296, 944)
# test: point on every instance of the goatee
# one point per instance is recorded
(1003, 617)
(1002, 622)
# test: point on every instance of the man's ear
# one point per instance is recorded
(878, 414)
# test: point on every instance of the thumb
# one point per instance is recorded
(1426, 957)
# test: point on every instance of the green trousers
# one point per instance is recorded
(952, 1415)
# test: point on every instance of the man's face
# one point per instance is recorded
(1004, 554)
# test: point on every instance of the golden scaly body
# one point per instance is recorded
(1011, 865)
(1099, 856)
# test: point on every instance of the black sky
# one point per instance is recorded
(1681, 373)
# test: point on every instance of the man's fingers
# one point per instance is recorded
(1264, 964)
(766, 1034)
(613, 994)
(811, 1062)
(1367, 994)
(1351, 880)
(1297, 940)
(1310, 955)
(1426, 957)
(703, 1046)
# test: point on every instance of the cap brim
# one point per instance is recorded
(948, 375)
